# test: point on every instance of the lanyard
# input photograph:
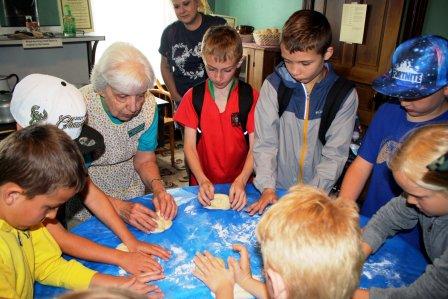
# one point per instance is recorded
(211, 88)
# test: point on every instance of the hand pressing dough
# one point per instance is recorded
(219, 202)
(162, 224)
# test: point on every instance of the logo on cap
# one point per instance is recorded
(36, 116)
(70, 122)
(86, 141)
(405, 72)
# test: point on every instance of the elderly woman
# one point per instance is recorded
(120, 107)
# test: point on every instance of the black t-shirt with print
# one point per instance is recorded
(182, 48)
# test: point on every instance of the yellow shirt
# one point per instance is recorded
(28, 256)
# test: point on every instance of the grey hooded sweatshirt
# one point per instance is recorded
(287, 150)
(396, 215)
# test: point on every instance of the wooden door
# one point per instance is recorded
(249, 54)
(362, 63)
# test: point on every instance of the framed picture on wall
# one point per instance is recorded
(81, 11)
(231, 21)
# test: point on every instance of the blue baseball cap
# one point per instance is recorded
(419, 68)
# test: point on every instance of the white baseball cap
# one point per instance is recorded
(44, 99)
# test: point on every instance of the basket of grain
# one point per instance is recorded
(267, 37)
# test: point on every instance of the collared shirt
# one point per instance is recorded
(33, 255)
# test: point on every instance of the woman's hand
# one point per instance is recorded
(136, 215)
(164, 202)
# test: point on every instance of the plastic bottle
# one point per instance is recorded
(69, 22)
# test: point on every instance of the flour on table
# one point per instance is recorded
(219, 202)
(384, 268)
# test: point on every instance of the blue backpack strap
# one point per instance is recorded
(333, 102)
(198, 100)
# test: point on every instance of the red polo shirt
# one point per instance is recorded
(222, 148)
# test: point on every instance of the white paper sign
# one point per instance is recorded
(353, 21)
(42, 43)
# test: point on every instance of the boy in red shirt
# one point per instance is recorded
(220, 154)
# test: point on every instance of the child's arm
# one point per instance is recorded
(335, 151)
(98, 202)
(212, 271)
(136, 283)
(391, 218)
(206, 189)
(431, 284)
(355, 179)
(265, 149)
(52, 269)
(237, 193)
(132, 262)
(243, 274)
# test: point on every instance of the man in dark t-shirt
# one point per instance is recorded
(180, 47)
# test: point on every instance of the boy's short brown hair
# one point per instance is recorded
(223, 43)
(306, 30)
(313, 242)
(41, 159)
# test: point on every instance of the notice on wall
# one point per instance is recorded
(353, 22)
(42, 43)
(82, 12)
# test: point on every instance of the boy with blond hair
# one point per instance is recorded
(420, 168)
(40, 169)
(302, 129)
(311, 248)
(221, 110)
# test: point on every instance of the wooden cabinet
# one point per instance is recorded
(259, 63)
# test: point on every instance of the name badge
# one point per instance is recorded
(136, 130)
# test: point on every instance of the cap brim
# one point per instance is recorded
(392, 87)
(90, 140)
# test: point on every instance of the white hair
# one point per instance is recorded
(124, 68)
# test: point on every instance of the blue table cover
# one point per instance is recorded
(197, 229)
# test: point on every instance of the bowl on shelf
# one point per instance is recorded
(244, 29)
(267, 37)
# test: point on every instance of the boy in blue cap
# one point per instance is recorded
(419, 78)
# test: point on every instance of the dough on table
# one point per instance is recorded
(219, 202)
(122, 247)
(162, 224)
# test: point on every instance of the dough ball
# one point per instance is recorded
(122, 247)
(162, 224)
(219, 202)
